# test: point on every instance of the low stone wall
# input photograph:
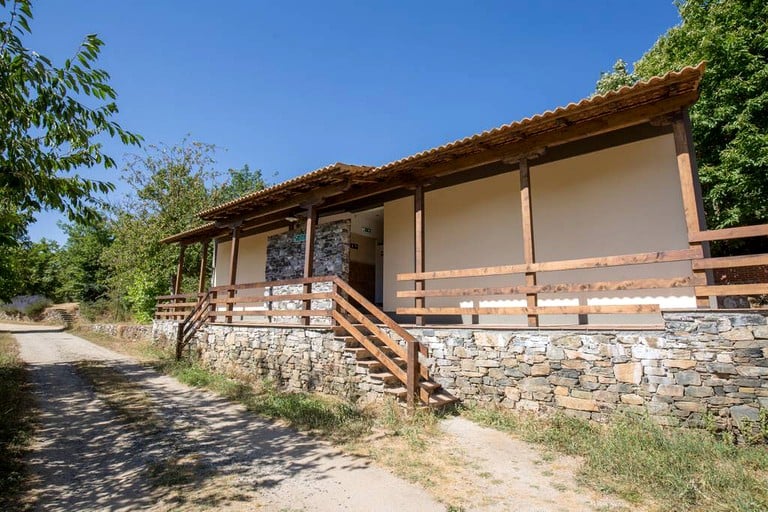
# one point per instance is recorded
(295, 358)
(702, 363)
(131, 332)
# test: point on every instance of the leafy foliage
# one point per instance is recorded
(239, 183)
(730, 120)
(171, 184)
(29, 269)
(47, 131)
(83, 275)
(616, 79)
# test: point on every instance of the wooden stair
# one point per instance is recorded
(431, 393)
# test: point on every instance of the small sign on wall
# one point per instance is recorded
(367, 230)
(300, 237)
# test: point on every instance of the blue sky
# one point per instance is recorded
(288, 87)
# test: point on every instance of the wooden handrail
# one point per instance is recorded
(414, 370)
(729, 233)
(178, 296)
(552, 266)
(267, 284)
(633, 284)
(379, 314)
(537, 310)
(750, 260)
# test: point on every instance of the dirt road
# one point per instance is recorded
(86, 458)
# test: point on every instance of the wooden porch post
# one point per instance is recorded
(233, 254)
(177, 281)
(179, 269)
(203, 267)
(419, 255)
(690, 187)
(309, 256)
(528, 246)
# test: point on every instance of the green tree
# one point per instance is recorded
(239, 182)
(730, 120)
(47, 131)
(29, 269)
(42, 269)
(171, 184)
(83, 275)
(616, 79)
(11, 271)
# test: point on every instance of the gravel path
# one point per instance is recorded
(85, 458)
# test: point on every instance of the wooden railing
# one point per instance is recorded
(695, 280)
(265, 302)
(176, 307)
(195, 319)
(338, 304)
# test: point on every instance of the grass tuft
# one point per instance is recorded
(642, 462)
(331, 417)
(16, 424)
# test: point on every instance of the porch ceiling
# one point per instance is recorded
(628, 106)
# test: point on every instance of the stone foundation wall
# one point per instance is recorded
(296, 358)
(131, 332)
(164, 333)
(702, 363)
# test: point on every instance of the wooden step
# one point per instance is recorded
(370, 364)
(360, 352)
(441, 399)
(429, 386)
(351, 341)
(341, 331)
(384, 376)
(388, 351)
(400, 392)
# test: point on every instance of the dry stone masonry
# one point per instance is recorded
(702, 363)
(295, 358)
(285, 252)
(131, 332)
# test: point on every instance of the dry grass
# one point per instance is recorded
(16, 424)
(646, 464)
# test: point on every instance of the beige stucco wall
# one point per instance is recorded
(621, 200)
(251, 260)
(470, 225)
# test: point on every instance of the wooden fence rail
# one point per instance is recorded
(696, 281)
